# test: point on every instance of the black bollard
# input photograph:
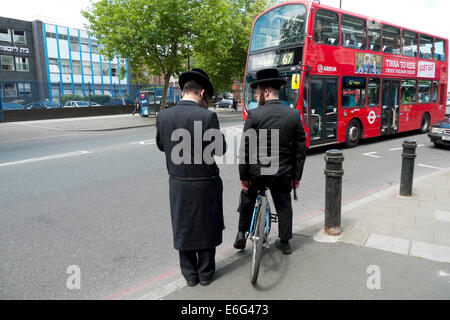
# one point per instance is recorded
(408, 158)
(333, 191)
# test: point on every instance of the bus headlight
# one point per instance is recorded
(437, 130)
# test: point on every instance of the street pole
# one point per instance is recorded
(90, 94)
(59, 89)
(333, 191)
(407, 175)
(340, 4)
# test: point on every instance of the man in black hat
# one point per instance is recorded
(271, 115)
(195, 186)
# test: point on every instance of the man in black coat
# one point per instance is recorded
(287, 162)
(195, 186)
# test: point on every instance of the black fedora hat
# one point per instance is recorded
(199, 76)
(268, 77)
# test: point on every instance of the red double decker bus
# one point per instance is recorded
(352, 77)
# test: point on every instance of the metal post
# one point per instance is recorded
(59, 89)
(333, 191)
(408, 159)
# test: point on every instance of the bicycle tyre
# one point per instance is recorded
(258, 243)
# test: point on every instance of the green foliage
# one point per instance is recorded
(160, 35)
(99, 98)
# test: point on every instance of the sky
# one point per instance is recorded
(431, 16)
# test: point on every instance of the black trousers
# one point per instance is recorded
(280, 189)
(198, 264)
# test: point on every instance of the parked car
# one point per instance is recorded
(12, 106)
(224, 103)
(121, 101)
(43, 105)
(440, 133)
(79, 104)
(95, 104)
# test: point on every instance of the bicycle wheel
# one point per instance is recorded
(258, 241)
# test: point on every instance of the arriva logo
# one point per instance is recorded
(321, 68)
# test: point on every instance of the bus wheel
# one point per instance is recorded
(352, 134)
(425, 123)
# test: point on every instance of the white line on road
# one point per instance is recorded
(396, 149)
(56, 156)
(146, 142)
(430, 167)
(371, 154)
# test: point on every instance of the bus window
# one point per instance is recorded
(326, 29)
(353, 32)
(426, 47)
(353, 92)
(435, 91)
(424, 91)
(374, 36)
(439, 47)
(410, 41)
(408, 93)
(391, 40)
(374, 92)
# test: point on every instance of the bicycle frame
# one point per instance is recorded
(268, 220)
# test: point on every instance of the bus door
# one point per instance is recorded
(324, 110)
(390, 108)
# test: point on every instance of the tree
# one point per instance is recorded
(225, 59)
(161, 35)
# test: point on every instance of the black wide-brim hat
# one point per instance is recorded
(268, 77)
(199, 76)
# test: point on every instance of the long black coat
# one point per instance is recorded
(195, 189)
(292, 140)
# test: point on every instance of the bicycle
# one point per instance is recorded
(259, 230)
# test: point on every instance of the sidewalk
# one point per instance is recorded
(105, 123)
(406, 239)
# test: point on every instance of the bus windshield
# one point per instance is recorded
(282, 25)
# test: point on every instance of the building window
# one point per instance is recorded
(391, 40)
(114, 70)
(408, 93)
(326, 29)
(53, 65)
(74, 46)
(51, 35)
(439, 47)
(353, 32)
(353, 92)
(435, 91)
(10, 90)
(24, 89)
(426, 47)
(7, 63)
(65, 66)
(97, 69)
(19, 37)
(62, 37)
(87, 69)
(105, 69)
(5, 35)
(424, 91)
(76, 67)
(22, 64)
(374, 36)
(374, 92)
(410, 42)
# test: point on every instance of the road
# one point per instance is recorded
(99, 201)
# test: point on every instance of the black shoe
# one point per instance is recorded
(192, 283)
(285, 247)
(205, 282)
(240, 241)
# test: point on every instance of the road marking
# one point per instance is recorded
(430, 251)
(371, 154)
(147, 142)
(396, 149)
(386, 243)
(430, 167)
(56, 156)
(442, 216)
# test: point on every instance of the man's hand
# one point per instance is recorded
(245, 185)
(295, 184)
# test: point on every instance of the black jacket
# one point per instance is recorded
(292, 141)
(195, 190)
